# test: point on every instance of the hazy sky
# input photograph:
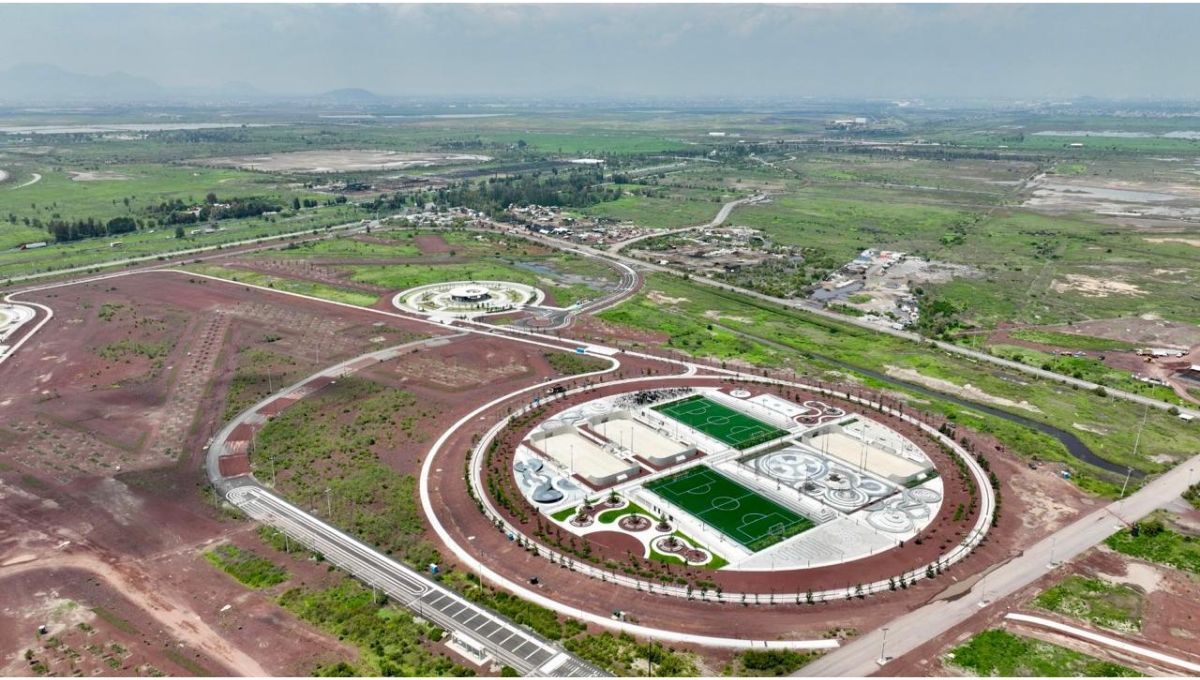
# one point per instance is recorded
(1004, 51)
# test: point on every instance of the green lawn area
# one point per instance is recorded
(1116, 607)
(245, 566)
(568, 363)
(631, 508)
(720, 422)
(1151, 540)
(345, 248)
(564, 514)
(1000, 653)
(752, 520)
(717, 562)
(334, 440)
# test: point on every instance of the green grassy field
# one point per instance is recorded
(1000, 653)
(153, 242)
(752, 520)
(250, 569)
(1116, 607)
(720, 422)
(1151, 540)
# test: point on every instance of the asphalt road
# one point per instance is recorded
(910, 631)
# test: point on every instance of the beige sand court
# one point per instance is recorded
(642, 439)
(876, 460)
(575, 452)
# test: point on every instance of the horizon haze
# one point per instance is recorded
(962, 52)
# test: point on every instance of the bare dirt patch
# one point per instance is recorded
(1090, 286)
(431, 244)
(718, 316)
(97, 176)
(1147, 329)
(1186, 241)
(330, 161)
(658, 297)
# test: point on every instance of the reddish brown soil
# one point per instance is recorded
(122, 545)
(70, 417)
(604, 333)
(431, 244)
(615, 542)
(71, 411)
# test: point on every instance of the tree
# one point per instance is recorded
(178, 232)
(296, 203)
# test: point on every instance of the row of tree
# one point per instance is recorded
(64, 230)
(576, 189)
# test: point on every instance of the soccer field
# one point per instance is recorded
(720, 422)
(739, 513)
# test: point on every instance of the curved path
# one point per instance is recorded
(722, 215)
(36, 178)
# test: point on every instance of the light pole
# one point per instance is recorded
(1125, 485)
(883, 648)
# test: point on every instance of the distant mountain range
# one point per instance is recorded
(45, 83)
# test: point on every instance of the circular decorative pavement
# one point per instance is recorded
(467, 298)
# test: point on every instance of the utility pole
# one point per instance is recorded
(1136, 443)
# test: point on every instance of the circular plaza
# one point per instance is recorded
(751, 487)
(467, 298)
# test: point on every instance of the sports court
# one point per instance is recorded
(720, 422)
(741, 514)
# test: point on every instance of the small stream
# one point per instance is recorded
(1076, 448)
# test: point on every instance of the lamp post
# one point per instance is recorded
(883, 648)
